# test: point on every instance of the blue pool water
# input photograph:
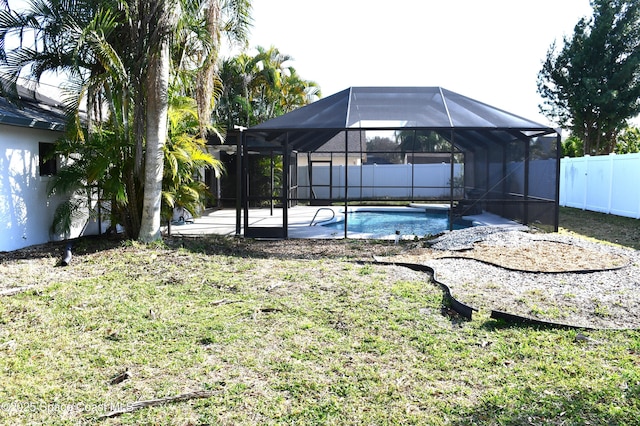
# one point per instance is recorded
(383, 223)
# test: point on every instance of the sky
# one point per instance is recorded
(488, 50)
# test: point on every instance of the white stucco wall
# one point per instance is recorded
(26, 212)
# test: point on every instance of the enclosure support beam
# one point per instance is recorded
(451, 176)
(504, 187)
(245, 183)
(527, 146)
(487, 173)
(331, 178)
(285, 186)
(360, 151)
(239, 180)
(346, 182)
(271, 178)
(413, 164)
(99, 211)
(557, 204)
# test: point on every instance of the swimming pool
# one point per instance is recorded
(382, 223)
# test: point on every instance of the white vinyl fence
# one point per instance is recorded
(380, 181)
(606, 184)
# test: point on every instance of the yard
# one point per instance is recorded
(290, 332)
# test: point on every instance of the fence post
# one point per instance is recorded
(637, 215)
(372, 181)
(586, 182)
(561, 190)
(610, 197)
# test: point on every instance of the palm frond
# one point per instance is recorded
(66, 214)
(238, 20)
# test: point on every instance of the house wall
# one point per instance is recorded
(26, 212)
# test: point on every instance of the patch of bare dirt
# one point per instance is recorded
(534, 256)
(546, 256)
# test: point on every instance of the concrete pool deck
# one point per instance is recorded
(223, 221)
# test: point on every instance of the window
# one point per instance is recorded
(47, 159)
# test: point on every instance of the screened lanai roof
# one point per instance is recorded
(509, 165)
(399, 108)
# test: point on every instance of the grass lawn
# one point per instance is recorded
(292, 336)
(599, 226)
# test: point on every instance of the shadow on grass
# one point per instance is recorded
(501, 324)
(539, 403)
(613, 229)
(350, 249)
(220, 245)
(55, 249)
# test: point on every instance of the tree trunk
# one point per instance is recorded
(205, 77)
(156, 136)
(132, 220)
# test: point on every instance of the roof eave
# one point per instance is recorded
(31, 123)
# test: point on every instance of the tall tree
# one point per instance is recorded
(592, 85)
(237, 75)
(163, 16)
(202, 57)
(629, 141)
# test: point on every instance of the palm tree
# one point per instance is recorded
(161, 21)
(261, 87)
(184, 158)
(117, 53)
(64, 36)
(165, 17)
(94, 172)
(276, 87)
(297, 92)
(195, 49)
(90, 179)
(237, 75)
(85, 40)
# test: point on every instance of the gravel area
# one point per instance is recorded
(547, 277)
(464, 239)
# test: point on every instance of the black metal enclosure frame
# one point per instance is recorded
(497, 162)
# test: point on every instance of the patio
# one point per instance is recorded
(223, 222)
